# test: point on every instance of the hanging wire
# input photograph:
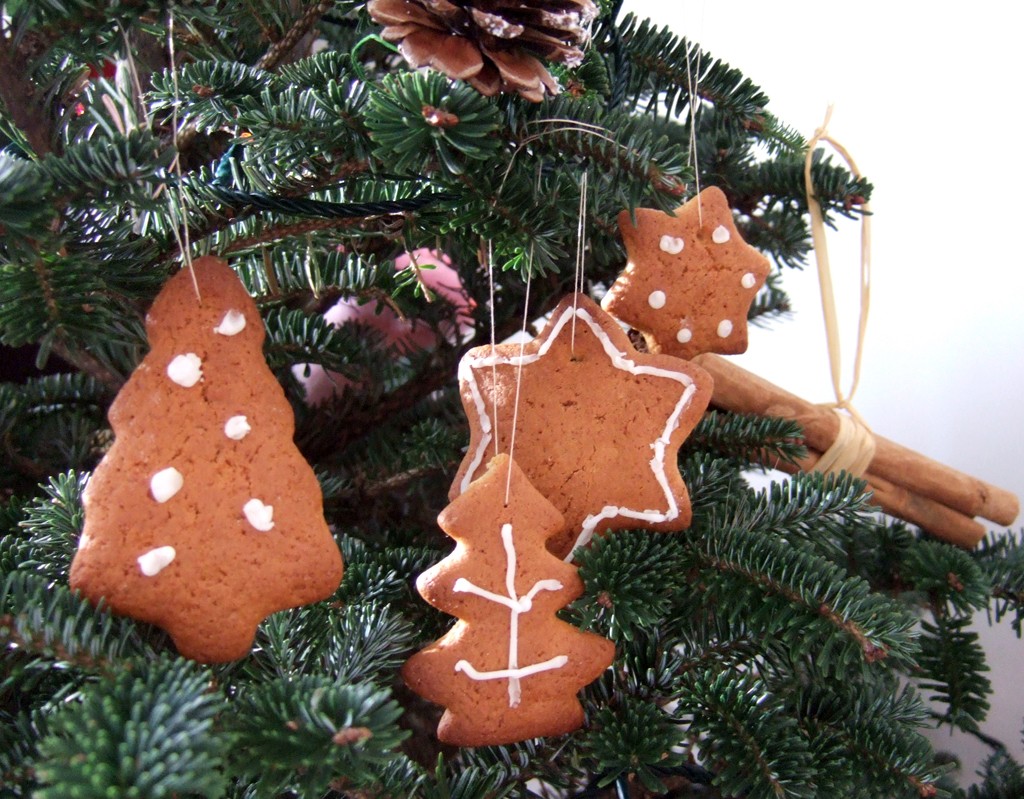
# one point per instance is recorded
(581, 246)
(301, 206)
(519, 375)
(494, 364)
(178, 212)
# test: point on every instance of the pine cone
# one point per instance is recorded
(496, 45)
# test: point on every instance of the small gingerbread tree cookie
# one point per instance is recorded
(690, 278)
(204, 518)
(509, 669)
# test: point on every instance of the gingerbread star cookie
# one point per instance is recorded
(690, 278)
(598, 425)
(509, 669)
(204, 518)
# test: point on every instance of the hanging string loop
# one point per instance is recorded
(854, 446)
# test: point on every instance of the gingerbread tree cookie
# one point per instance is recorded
(203, 518)
(509, 669)
(598, 425)
(690, 278)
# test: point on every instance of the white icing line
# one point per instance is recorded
(656, 299)
(237, 427)
(724, 328)
(748, 281)
(156, 560)
(165, 484)
(721, 235)
(673, 245)
(185, 370)
(516, 606)
(511, 674)
(259, 515)
(464, 586)
(232, 324)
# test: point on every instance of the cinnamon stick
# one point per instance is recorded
(939, 520)
(741, 391)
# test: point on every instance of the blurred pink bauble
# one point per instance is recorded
(403, 335)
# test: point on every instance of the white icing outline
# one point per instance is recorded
(517, 606)
(619, 361)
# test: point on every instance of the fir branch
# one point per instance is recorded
(637, 739)
(1002, 558)
(802, 598)
(870, 737)
(88, 364)
(952, 664)
(615, 570)
(53, 526)
(307, 732)
(47, 620)
(149, 731)
(1002, 778)
(748, 438)
(749, 733)
(270, 233)
(949, 576)
(21, 100)
(283, 46)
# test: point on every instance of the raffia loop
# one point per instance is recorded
(854, 446)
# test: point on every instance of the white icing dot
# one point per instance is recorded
(165, 484)
(671, 244)
(237, 427)
(720, 235)
(156, 560)
(748, 281)
(232, 323)
(259, 515)
(656, 299)
(185, 370)
(724, 328)
(684, 335)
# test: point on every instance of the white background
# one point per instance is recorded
(927, 101)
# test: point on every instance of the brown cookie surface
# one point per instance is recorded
(204, 518)
(598, 425)
(509, 669)
(690, 278)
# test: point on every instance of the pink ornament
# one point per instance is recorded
(437, 277)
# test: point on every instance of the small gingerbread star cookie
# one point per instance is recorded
(690, 278)
(598, 425)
